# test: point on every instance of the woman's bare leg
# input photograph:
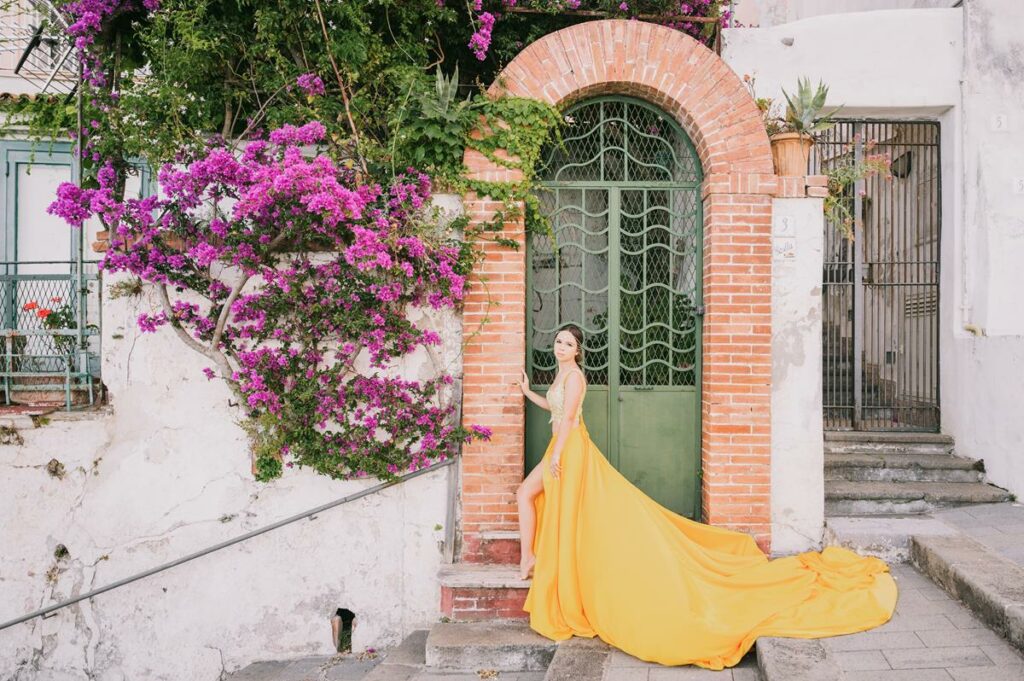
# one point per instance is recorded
(530, 488)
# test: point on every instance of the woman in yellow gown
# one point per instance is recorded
(609, 561)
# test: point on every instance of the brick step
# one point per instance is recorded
(475, 592)
(492, 547)
(902, 467)
(886, 498)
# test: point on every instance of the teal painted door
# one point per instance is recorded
(622, 259)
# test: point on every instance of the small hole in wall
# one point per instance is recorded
(341, 629)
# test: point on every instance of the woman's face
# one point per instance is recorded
(565, 346)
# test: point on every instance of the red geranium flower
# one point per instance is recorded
(44, 313)
(30, 305)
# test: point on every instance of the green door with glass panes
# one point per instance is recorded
(618, 252)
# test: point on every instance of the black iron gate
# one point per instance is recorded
(881, 287)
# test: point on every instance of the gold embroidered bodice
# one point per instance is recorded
(556, 399)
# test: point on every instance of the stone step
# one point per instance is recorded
(341, 667)
(878, 447)
(872, 436)
(403, 661)
(885, 537)
(498, 645)
(843, 498)
(579, 659)
(902, 467)
(473, 591)
(991, 585)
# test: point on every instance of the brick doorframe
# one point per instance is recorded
(692, 84)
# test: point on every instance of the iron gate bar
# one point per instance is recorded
(881, 302)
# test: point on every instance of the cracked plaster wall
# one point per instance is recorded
(798, 460)
(165, 471)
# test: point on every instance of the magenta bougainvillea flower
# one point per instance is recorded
(285, 269)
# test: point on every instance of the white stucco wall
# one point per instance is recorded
(914, 70)
(164, 472)
(798, 460)
(766, 13)
(982, 374)
(963, 68)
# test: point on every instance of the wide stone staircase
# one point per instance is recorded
(889, 473)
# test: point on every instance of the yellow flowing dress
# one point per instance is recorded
(614, 563)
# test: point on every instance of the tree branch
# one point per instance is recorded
(341, 84)
(225, 311)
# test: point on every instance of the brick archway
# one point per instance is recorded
(692, 84)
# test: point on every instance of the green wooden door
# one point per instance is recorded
(622, 259)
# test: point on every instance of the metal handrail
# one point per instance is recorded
(217, 547)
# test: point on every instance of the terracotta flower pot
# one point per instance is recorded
(790, 151)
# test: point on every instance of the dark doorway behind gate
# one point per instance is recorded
(881, 288)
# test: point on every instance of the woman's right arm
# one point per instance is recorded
(524, 385)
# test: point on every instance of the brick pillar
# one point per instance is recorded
(736, 400)
(494, 341)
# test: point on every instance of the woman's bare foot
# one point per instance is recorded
(526, 566)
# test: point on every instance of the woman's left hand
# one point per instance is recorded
(556, 465)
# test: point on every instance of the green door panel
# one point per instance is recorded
(652, 424)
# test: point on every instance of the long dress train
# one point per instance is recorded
(612, 562)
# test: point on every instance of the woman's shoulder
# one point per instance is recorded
(578, 373)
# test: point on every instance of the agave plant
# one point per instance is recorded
(446, 91)
(431, 131)
(803, 114)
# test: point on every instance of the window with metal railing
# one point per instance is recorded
(50, 325)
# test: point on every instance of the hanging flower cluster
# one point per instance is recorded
(290, 269)
(88, 20)
(669, 10)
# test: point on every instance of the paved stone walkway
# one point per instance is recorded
(931, 637)
(624, 667)
(998, 526)
(502, 676)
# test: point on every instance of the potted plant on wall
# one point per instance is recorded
(793, 134)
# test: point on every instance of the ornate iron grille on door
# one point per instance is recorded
(622, 195)
(881, 289)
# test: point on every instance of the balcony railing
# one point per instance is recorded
(49, 320)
